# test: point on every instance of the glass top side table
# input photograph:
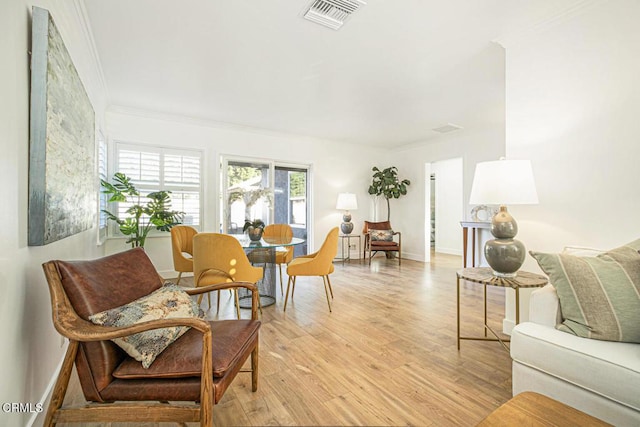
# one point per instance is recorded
(485, 277)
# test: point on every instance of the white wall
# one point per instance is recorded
(31, 348)
(572, 108)
(335, 168)
(449, 205)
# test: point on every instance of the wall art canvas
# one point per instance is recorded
(62, 180)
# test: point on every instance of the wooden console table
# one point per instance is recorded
(474, 226)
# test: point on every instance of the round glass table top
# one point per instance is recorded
(267, 242)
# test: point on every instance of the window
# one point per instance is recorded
(102, 198)
(297, 197)
(156, 168)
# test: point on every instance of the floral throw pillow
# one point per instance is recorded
(382, 235)
(169, 301)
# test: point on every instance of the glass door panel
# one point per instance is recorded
(291, 202)
(248, 194)
(261, 189)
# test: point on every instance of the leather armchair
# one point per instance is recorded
(372, 246)
(192, 369)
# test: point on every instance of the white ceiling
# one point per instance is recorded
(396, 70)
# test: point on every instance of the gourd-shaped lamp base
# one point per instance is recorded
(504, 254)
(347, 226)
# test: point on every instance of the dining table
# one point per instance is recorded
(262, 253)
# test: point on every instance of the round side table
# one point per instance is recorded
(485, 277)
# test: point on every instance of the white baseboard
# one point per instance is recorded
(449, 251)
(46, 397)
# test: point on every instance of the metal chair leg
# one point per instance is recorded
(330, 288)
(324, 281)
(286, 298)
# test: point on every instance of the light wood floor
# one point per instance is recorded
(386, 355)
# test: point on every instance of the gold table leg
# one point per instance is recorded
(517, 305)
(485, 310)
(458, 309)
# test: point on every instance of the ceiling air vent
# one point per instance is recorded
(332, 13)
(449, 127)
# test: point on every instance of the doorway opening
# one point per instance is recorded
(445, 207)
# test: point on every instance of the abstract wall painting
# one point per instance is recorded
(62, 175)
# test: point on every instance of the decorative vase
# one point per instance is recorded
(505, 255)
(255, 233)
(347, 225)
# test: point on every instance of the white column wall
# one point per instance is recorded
(572, 108)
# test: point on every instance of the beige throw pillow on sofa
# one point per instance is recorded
(599, 296)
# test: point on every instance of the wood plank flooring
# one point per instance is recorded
(386, 355)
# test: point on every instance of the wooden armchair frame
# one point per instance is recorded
(371, 247)
(70, 325)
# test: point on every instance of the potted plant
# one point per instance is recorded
(141, 218)
(386, 183)
(254, 229)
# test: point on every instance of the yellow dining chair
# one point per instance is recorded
(319, 263)
(182, 249)
(219, 258)
(283, 233)
(181, 244)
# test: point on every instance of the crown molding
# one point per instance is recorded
(83, 18)
(561, 16)
(197, 121)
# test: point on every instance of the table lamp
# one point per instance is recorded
(504, 182)
(346, 202)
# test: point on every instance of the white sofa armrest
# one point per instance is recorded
(544, 306)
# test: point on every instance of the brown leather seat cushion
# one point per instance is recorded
(231, 340)
(384, 244)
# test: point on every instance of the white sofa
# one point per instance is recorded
(601, 378)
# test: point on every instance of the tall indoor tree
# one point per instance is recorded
(387, 184)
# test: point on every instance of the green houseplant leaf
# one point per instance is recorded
(387, 184)
(141, 217)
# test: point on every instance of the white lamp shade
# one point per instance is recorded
(347, 202)
(503, 182)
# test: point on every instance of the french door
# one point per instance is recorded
(275, 193)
